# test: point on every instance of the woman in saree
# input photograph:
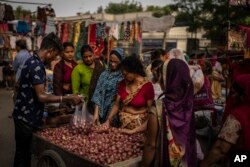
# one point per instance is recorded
(106, 88)
(134, 97)
(235, 132)
(171, 137)
(85, 75)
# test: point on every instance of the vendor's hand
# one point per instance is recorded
(76, 99)
(127, 131)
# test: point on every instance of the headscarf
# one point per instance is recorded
(119, 52)
(176, 54)
(106, 87)
(173, 54)
(178, 102)
(242, 111)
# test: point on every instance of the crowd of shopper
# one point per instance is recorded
(159, 100)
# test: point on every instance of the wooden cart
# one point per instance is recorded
(51, 155)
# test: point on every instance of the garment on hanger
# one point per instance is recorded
(127, 31)
(8, 13)
(132, 32)
(122, 31)
(2, 11)
(4, 27)
(28, 42)
(13, 40)
(77, 29)
(92, 35)
(82, 40)
(22, 27)
(50, 25)
(114, 30)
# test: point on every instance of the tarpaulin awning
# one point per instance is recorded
(162, 24)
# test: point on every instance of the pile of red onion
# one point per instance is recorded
(105, 148)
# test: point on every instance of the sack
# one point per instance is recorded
(203, 99)
(176, 152)
(197, 77)
(81, 121)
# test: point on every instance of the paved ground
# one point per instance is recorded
(7, 142)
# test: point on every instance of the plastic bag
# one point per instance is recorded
(197, 77)
(81, 120)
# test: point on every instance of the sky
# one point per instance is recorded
(71, 7)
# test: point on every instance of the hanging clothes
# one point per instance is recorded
(114, 31)
(65, 32)
(92, 35)
(122, 31)
(50, 25)
(2, 11)
(127, 31)
(132, 32)
(4, 27)
(139, 30)
(77, 31)
(22, 27)
(81, 40)
(8, 13)
(71, 32)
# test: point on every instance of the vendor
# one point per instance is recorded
(135, 94)
(85, 75)
(63, 69)
(31, 96)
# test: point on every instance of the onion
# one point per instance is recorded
(103, 147)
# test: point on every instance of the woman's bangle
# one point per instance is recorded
(61, 99)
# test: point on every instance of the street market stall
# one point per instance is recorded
(64, 146)
(71, 139)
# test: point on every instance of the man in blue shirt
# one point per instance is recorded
(22, 55)
(31, 96)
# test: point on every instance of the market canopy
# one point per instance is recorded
(162, 24)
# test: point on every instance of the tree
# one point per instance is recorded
(99, 9)
(212, 15)
(21, 13)
(161, 11)
(124, 7)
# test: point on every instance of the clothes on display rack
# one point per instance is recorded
(6, 13)
(50, 25)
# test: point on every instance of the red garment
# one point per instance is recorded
(92, 35)
(237, 69)
(61, 75)
(140, 99)
(242, 112)
(67, 74)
